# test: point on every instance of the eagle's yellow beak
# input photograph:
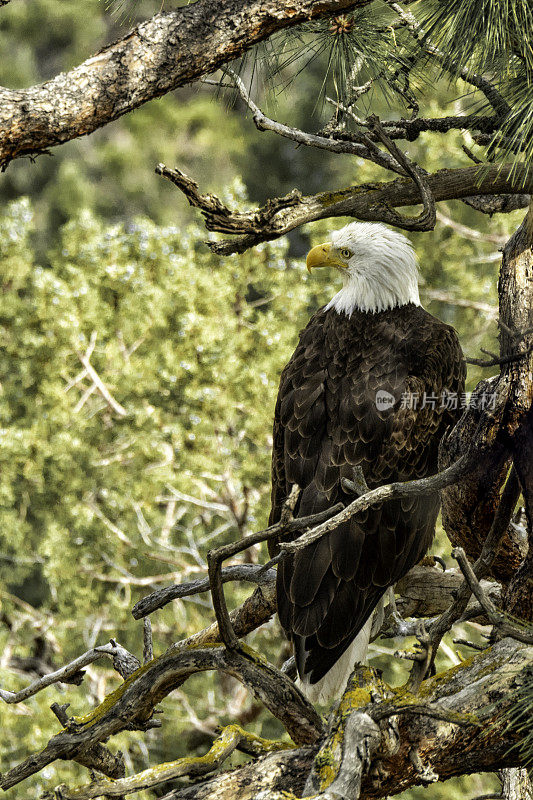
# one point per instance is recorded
(323, 256)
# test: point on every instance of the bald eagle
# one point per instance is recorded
(374, 382)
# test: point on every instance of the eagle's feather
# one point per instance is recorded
(326, 423)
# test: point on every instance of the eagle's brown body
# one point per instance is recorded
(326, 423)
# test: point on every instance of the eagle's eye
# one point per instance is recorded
(345, 253)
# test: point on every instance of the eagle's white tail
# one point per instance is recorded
(333, 684)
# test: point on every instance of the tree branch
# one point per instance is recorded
(496, 617)
(381, 494)
(73, 668)
(430, 641)
(231, 737)
(157, 56)
(363, 147)
(253, 573)
(131, 706)
(366, 202)
(470, 692)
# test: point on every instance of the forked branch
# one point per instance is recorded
(365, 202)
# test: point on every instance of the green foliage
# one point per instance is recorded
(191, 348)
(351, 49)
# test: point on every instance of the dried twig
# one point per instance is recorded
(73, 668)
(216, 557)
(425, 221)
(496, 360)
(495, 616)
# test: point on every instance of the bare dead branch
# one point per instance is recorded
(252, 573)
(131, 705)
(72, 668)
(253, 613)
(410, 129)
(366, 202)
(124, 662)
(215, 559)
(95, 757)
(481, 568)
(496, 617)
(148, 646)
(362, 148)
(382, 493)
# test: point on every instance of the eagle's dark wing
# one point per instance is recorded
(326, 423)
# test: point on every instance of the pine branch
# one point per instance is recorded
(500, 106)
(191, 41)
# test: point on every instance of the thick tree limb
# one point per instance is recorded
(157, 56)
(497, 204)
(132, 704)
(516, 784)
(366, 202)
(471, 691)
(427, 591)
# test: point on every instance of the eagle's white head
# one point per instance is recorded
(378, 266)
